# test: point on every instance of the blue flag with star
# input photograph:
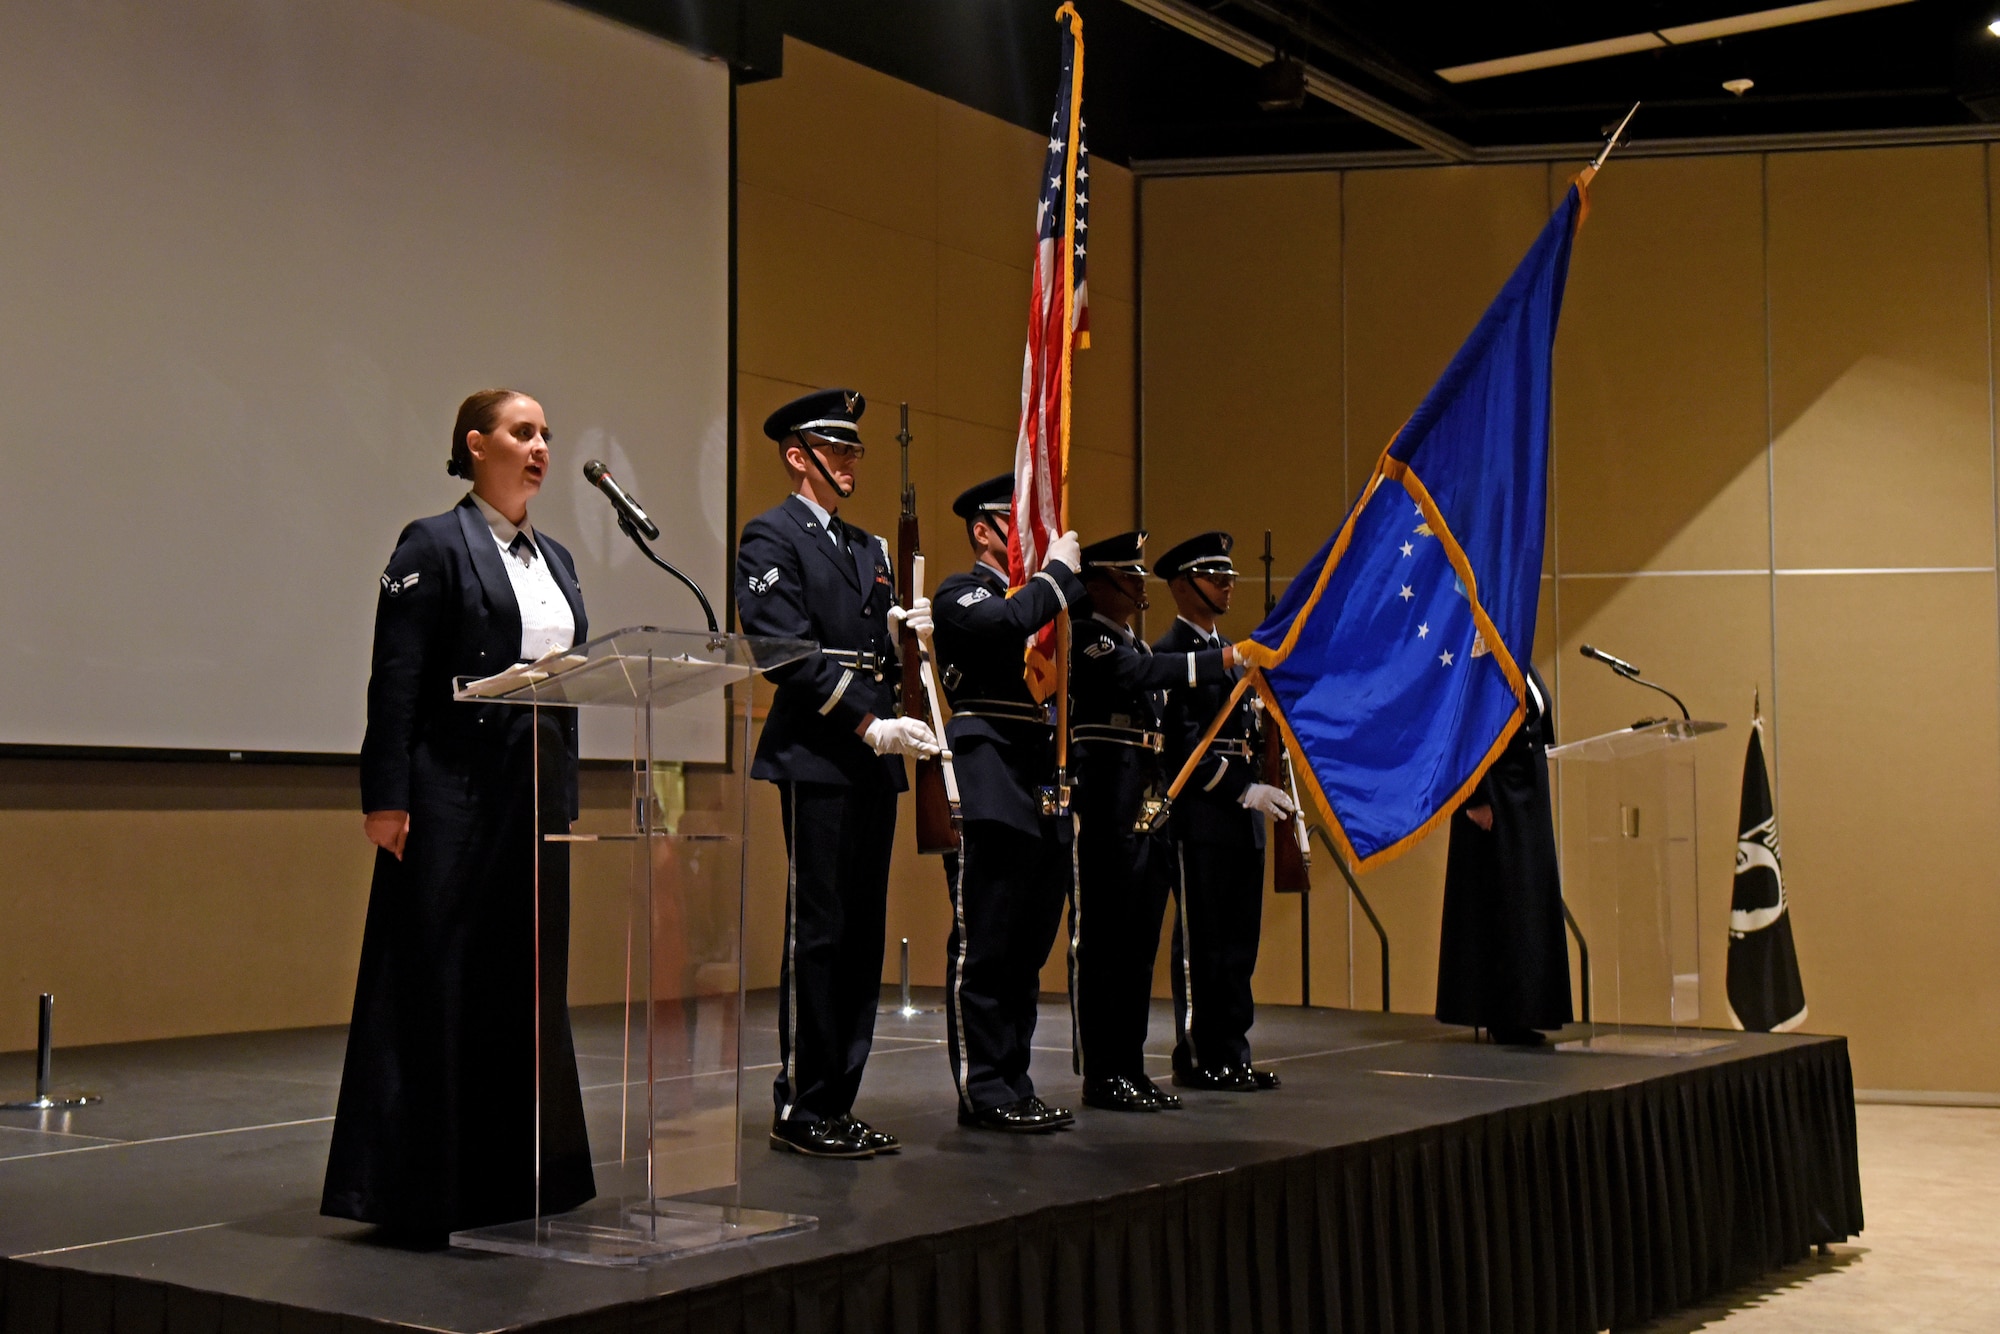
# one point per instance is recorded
(1392, 662)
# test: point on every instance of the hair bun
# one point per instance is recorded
(451, 467)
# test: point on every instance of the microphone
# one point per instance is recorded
(628, 509)
(1631, 673)
(1618, 665)
(639, 528)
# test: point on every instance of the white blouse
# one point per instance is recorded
(547, 623)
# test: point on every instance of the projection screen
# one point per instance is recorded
(252, 254)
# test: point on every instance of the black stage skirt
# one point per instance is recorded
(435, 1129)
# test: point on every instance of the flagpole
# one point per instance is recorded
(1068, 267)
(1207, 739)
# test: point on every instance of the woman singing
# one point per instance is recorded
(436, 1127)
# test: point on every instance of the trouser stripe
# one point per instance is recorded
(1075, 947)
(1187, 954)
(791, 980)
(962, 1071)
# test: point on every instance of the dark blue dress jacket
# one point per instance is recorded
(793, 582)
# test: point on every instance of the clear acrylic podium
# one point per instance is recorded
(662, 1071)
(1630, 879)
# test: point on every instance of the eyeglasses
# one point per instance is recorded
(841, 449)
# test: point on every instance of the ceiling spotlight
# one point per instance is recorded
(1281, 84)
(1742, 86)
(1994, 27)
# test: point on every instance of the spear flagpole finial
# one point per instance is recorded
(1616, 138)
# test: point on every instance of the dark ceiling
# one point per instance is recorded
(1152, 91)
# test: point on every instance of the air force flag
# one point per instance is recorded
(1393, 660)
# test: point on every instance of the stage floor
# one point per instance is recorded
(186, 1202)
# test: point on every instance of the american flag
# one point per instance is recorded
(1058, 322)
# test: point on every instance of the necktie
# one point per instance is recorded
(522, 548)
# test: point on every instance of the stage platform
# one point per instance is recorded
(1405, 1178)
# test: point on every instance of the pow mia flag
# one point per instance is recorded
(1765, 995)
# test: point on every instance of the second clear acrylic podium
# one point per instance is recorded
(1630, 880)
(661, 1066)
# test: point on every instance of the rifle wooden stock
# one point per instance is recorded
(936, 831)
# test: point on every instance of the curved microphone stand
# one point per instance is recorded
(626, 526)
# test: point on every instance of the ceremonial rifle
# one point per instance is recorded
(1291, 857)
(936, 798)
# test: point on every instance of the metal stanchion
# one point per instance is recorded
(45, 1099)
(907, 1009)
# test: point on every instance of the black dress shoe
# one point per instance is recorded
(1028, 1116)
(1062, 1116)
(1119, 1093)
(1517, 1037)
(875, 1141)
(1264, 1079)
(820, 1139)
(1218, 1078)
(1163, 1100)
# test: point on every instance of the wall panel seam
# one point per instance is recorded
(1770, 483)
(1992, 439)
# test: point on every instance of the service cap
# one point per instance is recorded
(830, 413)
(995, 495)
(1204, 553)
(1123, 554)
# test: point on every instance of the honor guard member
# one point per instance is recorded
(1011, 873)
(833, 745)
(1218, 827)
(1124, 863)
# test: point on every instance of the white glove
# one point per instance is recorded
(1067, 550)
(901, 736)
(1267, 800)
(918, 617)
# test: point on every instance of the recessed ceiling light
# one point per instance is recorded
(1681, 35)
(1738, 86)
(1994, 27)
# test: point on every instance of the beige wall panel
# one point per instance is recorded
(1708, 639)
(982, 330)
(1879, 367)
(1548, 633)
(152, 923)
(844, 137)
(795, 259)
(1243, 362)
(989, 177)
(1659, 407)
(919, 907)
(966, 453)
(1100, 494)
(1890, 788)
(1427, 249)
(1408, 895)
(760, 477)
(1102, 413)
(1112, 270)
